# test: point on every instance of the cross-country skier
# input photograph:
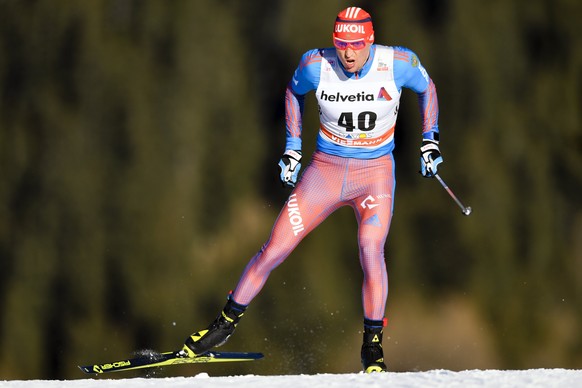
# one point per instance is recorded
(357, 85)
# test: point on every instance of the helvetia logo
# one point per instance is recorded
(383, 95)
(338, 97)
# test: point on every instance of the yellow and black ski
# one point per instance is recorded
(153, 359)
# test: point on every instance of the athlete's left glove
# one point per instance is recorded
(289, 167)
(430, 158)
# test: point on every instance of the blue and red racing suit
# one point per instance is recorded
(352, 164)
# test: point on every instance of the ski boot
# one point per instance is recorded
(372, 353)
(217, 333)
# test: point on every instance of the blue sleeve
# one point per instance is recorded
(409, 73)
(306, 76)
(305, 79)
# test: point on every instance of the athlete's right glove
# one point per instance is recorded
(289, 167)
(430, 158)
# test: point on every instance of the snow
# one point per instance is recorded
(435, 378)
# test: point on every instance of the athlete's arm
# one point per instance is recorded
(409, 73)
(305, 79)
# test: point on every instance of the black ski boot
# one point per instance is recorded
(372, 353)
(217, 333)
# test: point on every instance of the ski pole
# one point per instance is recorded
(466, 210)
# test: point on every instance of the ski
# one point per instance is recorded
(151, 359)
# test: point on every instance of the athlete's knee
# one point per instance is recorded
(372, 247)
(372, 259)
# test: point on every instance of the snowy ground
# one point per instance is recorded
(437, 378)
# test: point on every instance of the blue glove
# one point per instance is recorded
(430, 158)
(289, 167)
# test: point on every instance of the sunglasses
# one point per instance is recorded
(353, 44)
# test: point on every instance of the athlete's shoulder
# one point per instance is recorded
(311, 57)
(306, 76)
(408, 71)
(406, 55)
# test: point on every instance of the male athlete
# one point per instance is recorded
(357, 85)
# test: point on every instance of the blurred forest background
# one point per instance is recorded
(138, 151)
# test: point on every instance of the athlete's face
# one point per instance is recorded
(353, 60)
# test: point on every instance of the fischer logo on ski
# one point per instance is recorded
(154, 359)
(114, 365)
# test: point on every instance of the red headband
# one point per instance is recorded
(353, 23)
